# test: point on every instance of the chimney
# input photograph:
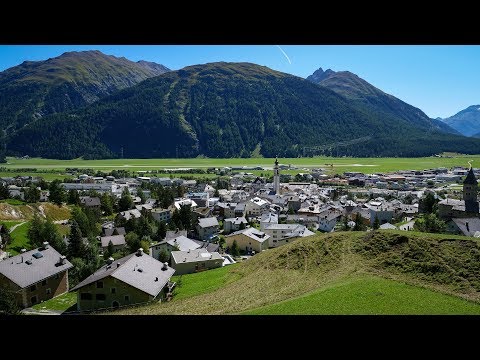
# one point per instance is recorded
(188, 251)
(62, 260)
(466, 224)
(118, 265)
(156, 279)
(45, 245)
(140, 252)
(165, 266)
(23, 251)
(110, 260)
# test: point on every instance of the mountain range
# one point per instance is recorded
(35, 89)
(467, 121)
(143, 110)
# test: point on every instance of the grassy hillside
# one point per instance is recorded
(415, 264)
(26, 212)
(370, 295)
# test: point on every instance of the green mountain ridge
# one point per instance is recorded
(229, 110)
(362, 93)
(35, 89)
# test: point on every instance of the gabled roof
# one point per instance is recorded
(473, 225)
(470, 179)
(142, 272)
(117, 240)
(183, 243)
(29, 268)
(207, 222)
(195, 256)
(236, 220)
(252, 233)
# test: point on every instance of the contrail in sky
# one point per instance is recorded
(284, 53)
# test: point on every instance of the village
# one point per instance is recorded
(129, 235)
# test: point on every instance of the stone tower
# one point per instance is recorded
(470, 193)
(276, 178)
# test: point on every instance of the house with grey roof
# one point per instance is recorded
(36, 275)
(465, 226)
(267, 219)
(134, 279)
(90, 202)
(207, 228)
(180, 243)
(160, 214)
(129, 214)
(280, 234)
(328, 219)
(190, 261)
(234, 224)
(248, 240)
(118, 242)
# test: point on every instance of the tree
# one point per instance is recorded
(133, 242)
(107, 204)
(57, 192)
(216, 193)
(73, 197)
(430, 223)
(234, 250)
(110, 249)
(345, 226)
(35, 230)
(242, 225)
(221, 242)
(75, 241)
(161, 231)
(144, 229)
(8, 303)
(4, 194)
(50, 233)
(359, 224)
(185, 215)
(32, 194)
(125, 202)
(376, 223)
(163, 256)
(141, 195)
(427, 203)
(82, 220)
(5, 234)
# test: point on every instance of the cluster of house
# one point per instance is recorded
(257, 215)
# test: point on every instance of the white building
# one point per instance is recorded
(256, 206)
(280, 234)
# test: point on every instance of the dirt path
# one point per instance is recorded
(15, 226)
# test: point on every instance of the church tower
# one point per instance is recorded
(470, 193)
(276, 178)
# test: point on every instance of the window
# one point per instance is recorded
(99, 284)
(113, 290)
(100, 297)
(44, 282)
(127, 298)
(85, 296)
(33, 287)
(274, 241)
(33, 300)
(49, 291)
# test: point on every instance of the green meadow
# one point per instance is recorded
(335, 165)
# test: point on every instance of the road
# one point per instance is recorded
(15, 226)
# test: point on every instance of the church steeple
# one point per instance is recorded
(470, 188)
(276, 177)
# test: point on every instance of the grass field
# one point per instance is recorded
(62, 303)
(369, 295)
(19, 239)
(367, 165)
(189, 285)
(409, 272)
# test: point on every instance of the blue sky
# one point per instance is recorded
(440, 80)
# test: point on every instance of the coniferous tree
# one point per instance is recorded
(35, 230)
(75, 241)
(376, 223)
(125, 202)
(57, 192)
(161, 231)
(73, 197)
